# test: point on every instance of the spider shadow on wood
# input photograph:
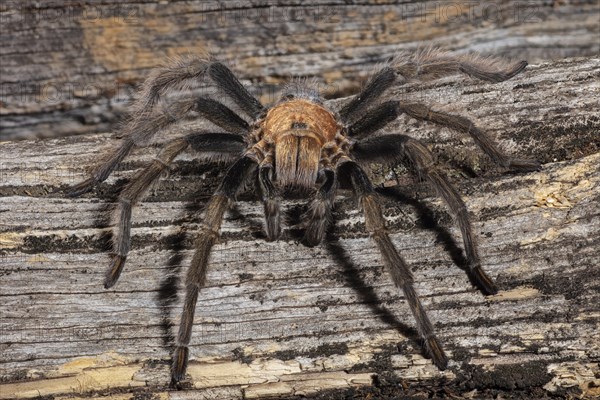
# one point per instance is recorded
(428, 221)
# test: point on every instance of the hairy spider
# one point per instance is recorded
(299, 142)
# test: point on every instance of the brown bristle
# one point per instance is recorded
(297, 161)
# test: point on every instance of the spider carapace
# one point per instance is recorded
(298, 129)
(299, 142)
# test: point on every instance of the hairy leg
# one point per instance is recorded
(177, 73)
(102, 170)
(428, 65)
(270, 200)
(374, 88)
(219, 145)
(142, 129)
(319, 212)
(221, 116)
(392, 149)
(375, 119)
(380, 116)
(226, 81)
(464, 125)
(137, 130)
(196, 275)
(144, 122)
(148, 118)
(432, 64)
(396, 266)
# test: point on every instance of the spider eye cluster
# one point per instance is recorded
(301, 89)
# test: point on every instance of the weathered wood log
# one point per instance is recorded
(69, 67)
(282, 320)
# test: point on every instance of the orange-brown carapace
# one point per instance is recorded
(298, 129)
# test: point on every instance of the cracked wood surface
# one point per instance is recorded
(69, 67)
(282, 320)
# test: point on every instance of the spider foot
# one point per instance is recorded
(314, 234)
(436, 352)
(272, 218)
(483, 281)
(116, 266)
(520, 164)
(180, 360)
(517, 69)
(81, 188)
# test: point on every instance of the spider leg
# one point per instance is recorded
(102, 170)
(428, 65)
(270, 200)
(146, 120)
(374, 120)
(380, 116)
(176, 73)
(140, 129)
(220, 144)
(396, 266)
(226, 80)
(433, 64)
(196, 275)
(464, 125)
(128, 197)
(319, 212)
(374, 88)
(221, 116)
(396, 148)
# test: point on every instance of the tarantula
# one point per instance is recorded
(300, 142)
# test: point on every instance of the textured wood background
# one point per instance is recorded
(280, 319)
(69, 67)
(283, 320)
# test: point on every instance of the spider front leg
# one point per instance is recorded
(147, 119)
(196, 275)
(270, 198)
(393, 149)
(145, 122)
(428, 65)
(128, 197)
(319, 211)
(141, 129)
(375, 87)
(395, 265)
(221, 144)
(433, 63)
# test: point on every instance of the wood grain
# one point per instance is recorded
(70, 67)
(282, 320)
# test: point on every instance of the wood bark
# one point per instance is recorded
(281, 320)
(69, 67)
